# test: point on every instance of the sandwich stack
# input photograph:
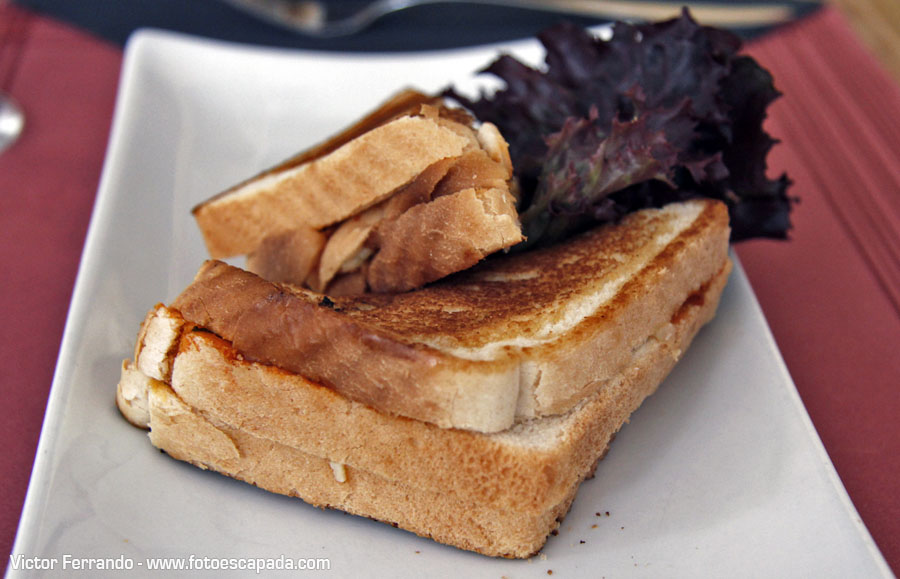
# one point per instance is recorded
(468, 411)
(388, 352)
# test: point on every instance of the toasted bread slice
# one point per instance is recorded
(327, 212)
(499, 494)
(525, 335)
(328, 189)
(217, 218)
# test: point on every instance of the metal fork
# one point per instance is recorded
(311, 17)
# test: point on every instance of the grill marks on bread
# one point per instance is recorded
(530, 291)
(499, 494)
(355, 191)
(486, 346)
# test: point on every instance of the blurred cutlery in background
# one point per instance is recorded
(12, 120)
(313, 17)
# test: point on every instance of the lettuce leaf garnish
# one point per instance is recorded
(660, 112)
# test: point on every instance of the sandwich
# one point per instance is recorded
(468, 411)
(451, 349)
(412, 192)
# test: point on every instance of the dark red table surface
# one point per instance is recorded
(831, 295)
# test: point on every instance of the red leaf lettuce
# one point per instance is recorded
(658, 113)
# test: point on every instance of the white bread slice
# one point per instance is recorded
(325, 213)
(326, 190)
(154, 351)
(525, 335)
(498, 494)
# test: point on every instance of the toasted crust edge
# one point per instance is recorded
(453, 502)
(398, 104)
(327, 189)
(383, 369)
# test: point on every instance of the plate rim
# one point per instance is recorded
(137, 48)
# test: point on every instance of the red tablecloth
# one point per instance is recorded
(831, 295)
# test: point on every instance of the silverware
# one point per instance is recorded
(310, 17)
(12, 120)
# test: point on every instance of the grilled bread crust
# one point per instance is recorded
(409, 194)
(328, 189)
(498, 494)
(521, 336)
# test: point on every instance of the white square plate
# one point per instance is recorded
(720, 473)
